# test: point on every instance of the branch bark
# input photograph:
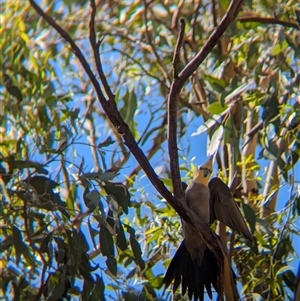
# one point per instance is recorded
(178, 84)
(110, 108)
(258, 19)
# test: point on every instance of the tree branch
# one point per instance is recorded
(178, 84)
(96, 49)
(74, 48)
(176, 59)
(122, 128)
(262, 20)
(210, 43)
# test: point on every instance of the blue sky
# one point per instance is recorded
(196, 151)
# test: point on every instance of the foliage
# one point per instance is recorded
(79, 218)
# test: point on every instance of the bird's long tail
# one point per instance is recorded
(192, 276)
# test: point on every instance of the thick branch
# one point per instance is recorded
(122, 128)
(178, 84)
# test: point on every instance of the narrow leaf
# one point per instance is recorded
(207, 125)
(111, 264)
(106, 242)
(137, 252)
(17, 243)
(120, 192)
(216, 108)
(250, 216)
(121, 239)
(215, 141)
(108, 141)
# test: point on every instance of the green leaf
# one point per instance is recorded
(216, 108)
(80, 239)
(250, 216)
(137, 252)
(44, 245)
(93, 233)
(107, 176)
(217, 84)
(7, 243)
(111, 264)
(264, 226)
(100, 287)
(43, 116)
(11, 88)
(30, 259)
(283, 270)
(106, 242)
(129, 108)
(16, 92)
(228, 131)
(71, 199)
(108, 141)
(252, 54)
(134, 295)
(18, 243)
(270, 152)
(121, 239)
(155, 235)
(289, 278)
(91, 199)
(57, 292)
(48, 199)
(207, 125)
(283, 248)
(99, 176)
(280, 47)
(120, 192)
(215, 140)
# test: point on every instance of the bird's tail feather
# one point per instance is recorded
(192, 276)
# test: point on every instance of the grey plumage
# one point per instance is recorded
(194, 265)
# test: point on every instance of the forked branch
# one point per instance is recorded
(110, 109)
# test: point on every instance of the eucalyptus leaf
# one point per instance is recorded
(215, 141)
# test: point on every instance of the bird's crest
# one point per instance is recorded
(202, 175)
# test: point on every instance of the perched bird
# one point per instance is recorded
(194, 265)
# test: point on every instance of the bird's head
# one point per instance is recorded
(203, 173)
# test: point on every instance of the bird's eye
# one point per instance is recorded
(206, 171)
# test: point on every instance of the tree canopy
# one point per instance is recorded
(107, 105)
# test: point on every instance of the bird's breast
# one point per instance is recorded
(197, 198)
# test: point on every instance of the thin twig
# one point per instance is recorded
(96, 49)
(210, 43)
(176, 59)
(122, 128)
(178, 84)
(262, 20)
(74, 48)
(152, 47)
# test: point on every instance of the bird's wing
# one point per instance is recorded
(224, 208)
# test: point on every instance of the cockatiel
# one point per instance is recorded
(194, 265)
